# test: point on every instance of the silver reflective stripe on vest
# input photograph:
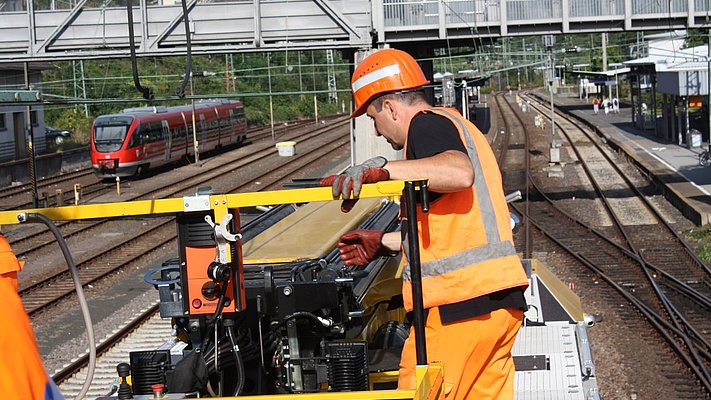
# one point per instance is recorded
(495, 247)
(463, 259)
(486, 207)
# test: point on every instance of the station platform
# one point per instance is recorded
(674, 167)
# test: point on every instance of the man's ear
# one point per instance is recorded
(391, 107)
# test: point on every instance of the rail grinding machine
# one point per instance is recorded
(273, 327)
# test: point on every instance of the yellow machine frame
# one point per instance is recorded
(429, 377)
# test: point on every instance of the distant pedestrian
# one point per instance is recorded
(615, 105)
(596, 105)
(606, 105)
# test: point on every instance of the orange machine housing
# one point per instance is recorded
(198, 249)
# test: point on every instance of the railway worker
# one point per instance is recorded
(22, 374)
(473, 280)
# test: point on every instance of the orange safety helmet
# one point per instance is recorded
(387, 70)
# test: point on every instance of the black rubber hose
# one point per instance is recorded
(220, 304)
(180, 92)
(33, 217)
(307, 315)
(145, 91)
(238, 360)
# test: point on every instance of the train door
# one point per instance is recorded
(201, 134)
(188, 132)
(231, 125)
(218, 123)
(168, 140)
(152, 139)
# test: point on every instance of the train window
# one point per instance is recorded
(213, 128)
(135, 140)
(179, 135)
(110, 133)
(151, 132)
(201, 127)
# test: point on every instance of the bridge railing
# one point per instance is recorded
(587, 8)
(424, 13)
(521, 10)
(663, 7)
(412, 12)
(471, 12)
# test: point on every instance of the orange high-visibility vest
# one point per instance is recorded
(466, 243)
(9, 266)
(22, 374)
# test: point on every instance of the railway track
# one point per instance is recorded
(617, 235)
(90, 187)
(27, 242)
(151, 236)
(20, 197)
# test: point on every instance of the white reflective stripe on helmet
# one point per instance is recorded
(375, 75)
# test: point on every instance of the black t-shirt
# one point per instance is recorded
(429, 135)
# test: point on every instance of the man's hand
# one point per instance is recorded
(353, 178)
(361, 246)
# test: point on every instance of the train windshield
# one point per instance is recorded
(110, 132)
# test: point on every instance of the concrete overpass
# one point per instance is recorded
(86, 31)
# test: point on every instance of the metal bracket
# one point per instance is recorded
(196, 203)
(222, 236)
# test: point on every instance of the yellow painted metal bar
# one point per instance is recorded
(383, 377)
(177, 205)
(394, 394)
(431, 378)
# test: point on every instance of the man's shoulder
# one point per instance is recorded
(435, 115)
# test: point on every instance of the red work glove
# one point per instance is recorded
(351, 180)
(362, 246)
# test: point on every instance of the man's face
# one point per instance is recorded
(385, 125)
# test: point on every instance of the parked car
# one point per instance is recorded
(56, 135)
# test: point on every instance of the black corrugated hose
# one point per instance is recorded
(146, 91)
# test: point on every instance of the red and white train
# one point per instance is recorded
(136, 139)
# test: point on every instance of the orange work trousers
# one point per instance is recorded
(474, 353)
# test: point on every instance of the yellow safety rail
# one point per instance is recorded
(217, 202)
